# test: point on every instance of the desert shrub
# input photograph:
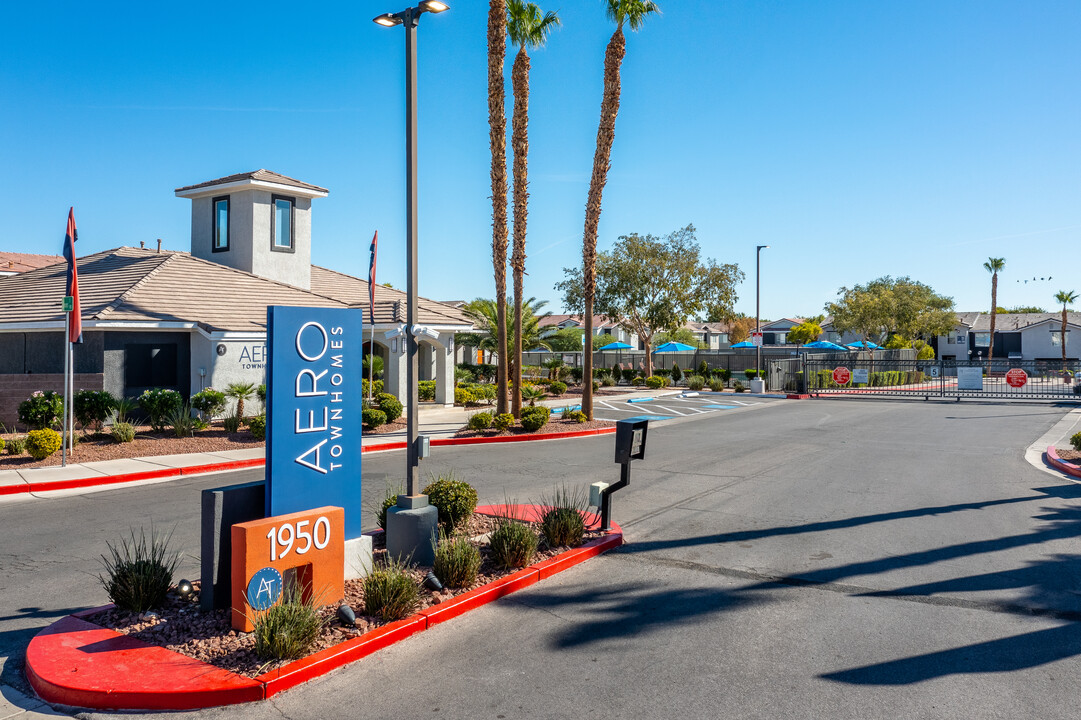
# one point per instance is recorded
(93, 407)
(503, 422)
(638, 381)
(2, 445)
(726, 374)
(629, 374)
(16, 445)
(426, 390)
(123, 432)
(607, 381)
(455, 499)
(456, 562)
(561, 522)
(158, 405)
(600, 372)
(480, 421)
(751, 373)
(390, 499)
(534, 418)
(617, 371)
(139, 571)
(703, 369)
(257, 425)
(716, 385)
(210, 403)
(41, 410)
(373, 418)
(533, 394)
(1075, 440)
(695, 382)
(181, 421)
(512, 543)
(653, 382)
(390, 593)
(662, 372)
(288, 629)
(260, 392)
(576, 374)
(483, 391)
(676, 374)
(596, 385)
(42, 443)
(739, 387)
(463, 397)
(390, 405)
(557, 388)
(575, 415)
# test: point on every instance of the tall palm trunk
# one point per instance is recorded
(994, 314)
(1062, 337)
(520, 145)
(497, 130)
(606, 134)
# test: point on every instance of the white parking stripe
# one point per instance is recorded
(670, 410)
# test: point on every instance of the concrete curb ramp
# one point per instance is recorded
(76, 663)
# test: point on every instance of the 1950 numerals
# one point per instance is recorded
(284, 536)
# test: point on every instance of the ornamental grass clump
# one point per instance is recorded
(123, 432)
(42, 443)
(288, 629)
(457, 561)
(181, 421)
(139, 572)
(562, 523)
(16, 445)
(390, 499)
(512, 543)
(390, 592)
(454, 499)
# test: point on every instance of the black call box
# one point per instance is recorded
(631, 440)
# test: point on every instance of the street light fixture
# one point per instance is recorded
(410, 18)
(757, 328)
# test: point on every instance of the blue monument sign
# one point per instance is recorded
(314, 411)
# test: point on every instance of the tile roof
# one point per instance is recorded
(260, 175)
(21, 262)
(390, 304)
(1012, 322)
(137, 285)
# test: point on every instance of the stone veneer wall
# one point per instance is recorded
(16, 388)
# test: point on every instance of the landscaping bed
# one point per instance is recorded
(182, 628)
(552, 426)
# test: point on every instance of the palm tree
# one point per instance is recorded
(993, 266)
(485, 315)
(632, 13)
(1066, 297)
(527, 28)
(240, 392)
(497, 135)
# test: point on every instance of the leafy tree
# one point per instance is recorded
(497, 138)
(993, 266)
(886, 306)
(1067, 298)
(739, 329)
(1020, 310)
(807, 331)
(565, 340)
(528, 28)
(648, 284)
(485, 316)
(680, 335)
(632, 13)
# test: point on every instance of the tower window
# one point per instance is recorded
(281, 224)
(221, 224)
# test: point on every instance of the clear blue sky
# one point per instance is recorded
(856, 138)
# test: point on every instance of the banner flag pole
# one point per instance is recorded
(67, 363)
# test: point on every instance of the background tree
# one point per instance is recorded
(632, 13)
(807, 331)
(916, 311)
(1067, 298)
(565, 340)
(528, 28)
(648, 284)
(497, 138)
(485, 316)
(739, 328)
(680, 335)
(993, 266)
(1020, 310)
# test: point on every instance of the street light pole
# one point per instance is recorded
(409, 19)
(757, 321)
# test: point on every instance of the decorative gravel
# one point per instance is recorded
(208, 636)
(552, 426)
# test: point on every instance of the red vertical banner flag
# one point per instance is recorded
(75, 331)
(371, 279)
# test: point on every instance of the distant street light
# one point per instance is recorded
(757, 328)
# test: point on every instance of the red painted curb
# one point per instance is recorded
(797, 396)
(74, 662)
(14, 489)
(218, 467)
(103, 480)
(1060, 464)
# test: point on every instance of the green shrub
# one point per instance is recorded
(123, 432)
(575, 415)
(726, 374)
(557, 388)
(716, 385)
(739, 387)
(210, 402)
(426, 390)
(16, 445)
(231, 423)
(257, 425)
(596, 385)
(676, 373)
(42, 443)
(390, 499)
(93, 407)
(562, 524)
(629, 374)
(638, 381)
(654, 382)
(503, 422)
(455, 499)
(751, 373)
(390, 593)
(534, 418)
(533, 394)
(139, 572)
(41, 410)
(480, 421)
(695, 382)
(159, 405)
(607, 381)
(703, 368)
(662, 372)
(288, 629)
(577, 374)
(373, 418)
(482, 391)
(260, 392)
(1075, 440)
(390, 405)
(181, 421)
(2, 445)
(367, 388)
(124, 408)
(463, 397)
(456, 562)
(512, 543)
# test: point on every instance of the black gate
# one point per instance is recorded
(1011, 379)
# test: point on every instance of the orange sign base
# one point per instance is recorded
(306, 548)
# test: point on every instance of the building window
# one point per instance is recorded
(281, 224)
(1056, 338)
(221, 224)
(150, 365)
(982, 339)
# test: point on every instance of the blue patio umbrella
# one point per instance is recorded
(674, 347)
(860, 345)
(824, 345)
(615, 346)
(744, 344)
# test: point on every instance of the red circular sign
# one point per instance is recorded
(1016, 377)
(841, 376)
